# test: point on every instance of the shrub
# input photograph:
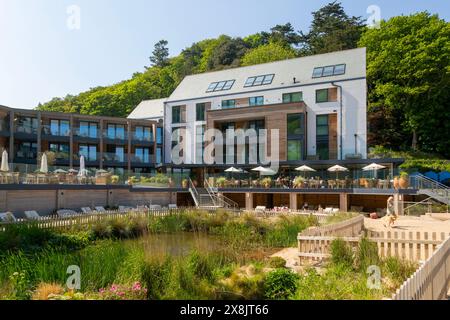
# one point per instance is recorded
(280, 284)
(341, 253)
(44, 290)
(399, 270)
(277, 262)
(367, 254)
(122, 292)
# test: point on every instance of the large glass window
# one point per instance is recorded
(88, 129)
(60, 128)
(159, 155)
(256, 101)
(322, 137)
(200, 111)
(177, 116)
(27, 150)
(322, 95)
(293, 97)
(296, 136)
(88, 151)
(227, 104)
(116, 131)
(143, 155)
(199, 144)
(61, 150)
(27, 125)
(143, 133)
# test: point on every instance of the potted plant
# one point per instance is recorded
(266, 182)
(185, 183)
(115, 179)
(221, 181)
(299, 182)
(404, 180)
(396, 183)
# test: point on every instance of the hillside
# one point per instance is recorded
(408, 73)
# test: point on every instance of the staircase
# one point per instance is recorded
(209, 198)
(431, 188)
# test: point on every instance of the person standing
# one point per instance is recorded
(391, 216)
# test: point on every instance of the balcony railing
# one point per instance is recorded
(144, 159)
(141, 138)
(86, 134)
(91, 157)
(55, 132)
(114, 135)
(114, 157)
(26, 129)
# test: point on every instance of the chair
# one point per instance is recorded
(155, 207)
(7, 217)
(100, 209)
(328, 210)
(32, 215)
(64, 213)
(87, 210)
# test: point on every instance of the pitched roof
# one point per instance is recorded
(149, 109)
(196, 86)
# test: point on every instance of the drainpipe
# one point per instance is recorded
(340, 118)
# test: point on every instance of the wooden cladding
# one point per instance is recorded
(332, 94)
(332, 136)
(275, 117)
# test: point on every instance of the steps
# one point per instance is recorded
(431, 188)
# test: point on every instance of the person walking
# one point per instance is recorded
(391, 216)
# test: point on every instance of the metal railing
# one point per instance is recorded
(220, 200)
(431, 188)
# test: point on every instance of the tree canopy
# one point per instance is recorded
(268, 53)
(409, 81)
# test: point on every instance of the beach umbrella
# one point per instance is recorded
(100, 172)
(5, 166)
(44, 164)
(264, 171)
(337, 169)
(233, 170)
(305, 169)
(83, 172)
(374, 167)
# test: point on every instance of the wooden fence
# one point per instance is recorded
(431, 281)
(314, 243)
(408, 245)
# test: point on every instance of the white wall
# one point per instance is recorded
(354, 115)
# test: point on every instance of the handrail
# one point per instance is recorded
(194, 192)
(426, 201)
(222, 199)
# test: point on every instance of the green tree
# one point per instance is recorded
(331, 30)
(268, 53)
(160, 54)
(409, 74)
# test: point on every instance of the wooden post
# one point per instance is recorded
(343, 202)
(293, 205)
(249, 201)
(398, 204)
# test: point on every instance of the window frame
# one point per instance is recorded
(203, 113)
(229, 106)
(221, 86)
(322, 90)
(251, 81)
(290, 95)
(333, 73)
(255, 99)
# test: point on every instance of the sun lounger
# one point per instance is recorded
(66, 213)
(155, 207)
(173, 206)
(7, 217)
(260, 209)
(87, 210)
(124, 209)
(335, 210)
(100, 209)
(32, 215)
(328, 210)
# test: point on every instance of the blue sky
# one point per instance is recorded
(40, 57)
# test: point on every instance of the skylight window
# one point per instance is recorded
(259, 80)
(220, 86)
(329, 71)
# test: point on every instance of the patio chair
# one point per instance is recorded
(64, 213)
(260, 209)
(7, 217)
(87, 210)
(32, 215)
(100, 209)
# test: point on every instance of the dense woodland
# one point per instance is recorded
(408, 73)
